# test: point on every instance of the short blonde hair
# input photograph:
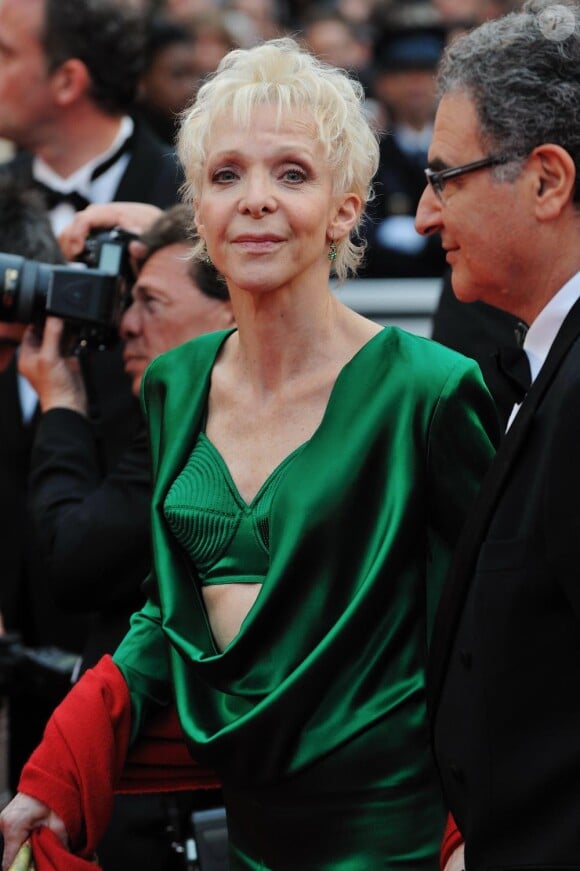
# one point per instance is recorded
(282, 74)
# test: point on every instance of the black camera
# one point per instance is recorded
(91, 300)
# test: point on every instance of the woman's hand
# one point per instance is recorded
(20, 818)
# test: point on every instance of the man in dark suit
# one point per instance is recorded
(26, 605)
(69, 71)
(92, 526)
(403, 83)
(68, 78)
(504, 675)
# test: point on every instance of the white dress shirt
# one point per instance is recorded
(544, 329)
(99, 190)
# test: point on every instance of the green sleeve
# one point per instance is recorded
(461, 444)
(142, 657)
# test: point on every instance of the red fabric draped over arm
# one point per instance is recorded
(84, 758)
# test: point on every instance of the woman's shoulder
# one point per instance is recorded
(199, 351)
(424, 354)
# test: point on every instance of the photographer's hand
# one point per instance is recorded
(134, 217)
(20, 818)
(56, 379)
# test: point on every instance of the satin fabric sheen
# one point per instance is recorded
(314, 715)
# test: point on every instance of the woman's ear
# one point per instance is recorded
(345, 217)
(554, 181)
(199, 227)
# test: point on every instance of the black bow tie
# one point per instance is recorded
(514, 365)
(54, 198)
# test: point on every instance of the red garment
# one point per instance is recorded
(83, 759)
(452, 839)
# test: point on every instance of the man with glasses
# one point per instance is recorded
(504, 674)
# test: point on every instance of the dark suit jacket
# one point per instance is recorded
(152, 176)
(27, 607)
(26, 600)
(504, 674)
(93, 529)
(26, 596)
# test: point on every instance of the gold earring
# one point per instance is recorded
(332, 252)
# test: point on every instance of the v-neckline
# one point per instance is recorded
(247, 506)
(300, 447)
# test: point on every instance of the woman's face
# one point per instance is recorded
(266, 208)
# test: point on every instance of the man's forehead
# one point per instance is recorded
(23, 7)
(456, 130)
(28, 14)
(171, 260)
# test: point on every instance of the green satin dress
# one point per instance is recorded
(314, 715)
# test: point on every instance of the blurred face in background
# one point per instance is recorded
(26, 87)
(168, 309)
(333, 42)
(213, 40)
(409, 95)
(169, 84)
(185, 10)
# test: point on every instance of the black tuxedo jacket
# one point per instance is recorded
(27, 594)
(27, 598)
(93, 529)
(504, 671)
(25, 601)
(152, 176)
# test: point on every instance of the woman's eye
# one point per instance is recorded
(221, 176)
(295, 175)
(149, 302)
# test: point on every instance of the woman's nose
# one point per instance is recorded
(258, 197)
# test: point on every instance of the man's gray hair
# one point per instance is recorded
(522, 72)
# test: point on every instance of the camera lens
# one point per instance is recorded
(23, 289)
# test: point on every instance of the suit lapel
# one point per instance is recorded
(143, 166)
(153, 169)
(478, 520)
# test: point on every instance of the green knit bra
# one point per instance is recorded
(226, 538)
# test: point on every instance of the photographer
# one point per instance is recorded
(28, 612)
(94, 530)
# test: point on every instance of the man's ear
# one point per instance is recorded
(555, 179)
(70, 81)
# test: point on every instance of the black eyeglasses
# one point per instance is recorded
(437, 178)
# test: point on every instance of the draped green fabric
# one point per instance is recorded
(320, 699)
